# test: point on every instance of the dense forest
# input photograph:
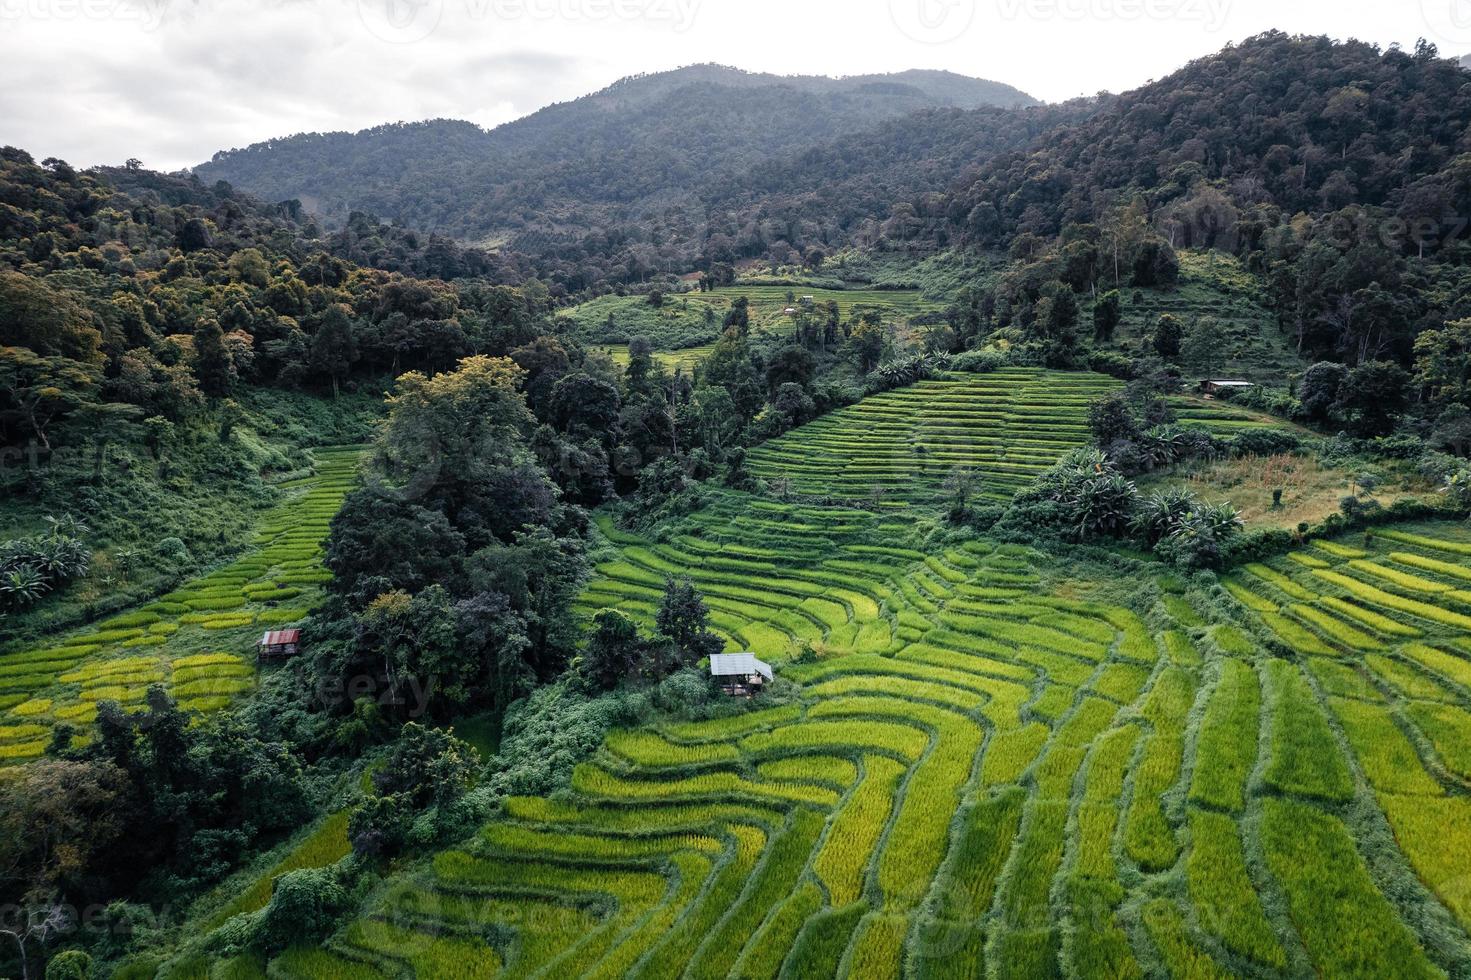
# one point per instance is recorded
(639, 147)
(952, 343)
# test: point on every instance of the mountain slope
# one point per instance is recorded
(643, 142)
(1299, 124)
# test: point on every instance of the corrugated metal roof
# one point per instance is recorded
(738, 665)
(279, 637)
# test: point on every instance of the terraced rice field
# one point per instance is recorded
(1221, 418)
(198, 640)
(1008, 427)
(769, 301)
(996, 767)
(685, 359)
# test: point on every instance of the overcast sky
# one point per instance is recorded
(172, 81)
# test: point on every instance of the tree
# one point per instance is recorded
(638, 376)
(50, 322)
(1108, 312)
(541, 575)
(545, 362)
(1057, 314)
(34, 923)
(61, 823)
(718, 420)
(249, 266)
(379, 826)
(790, 365)
(37, 391)
(869, 339)
(427, 767)
(585, 407)
(194, 236)
(613, 651)
(304, 909)
(961, 483)
(334, 347)
(380, 541)
(1112, 420)
(792, 404)
(1452, 432)
(212, 363)
(1155, 265)
(1320, 388)
(730, 365)
(1373, 394)
(1201, 348)
(739, 316)
(1167, 336)
(458, 443)
(413, 640)
(70, 964)
(1443, 363)
(683, 618)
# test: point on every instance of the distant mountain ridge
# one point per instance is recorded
(645, 140)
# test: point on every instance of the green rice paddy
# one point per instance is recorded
(995, 766)
(197, 640)
(899, 447)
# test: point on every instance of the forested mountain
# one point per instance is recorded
(866, 188)
(704, 166)
(1289, 124)
(643, 143)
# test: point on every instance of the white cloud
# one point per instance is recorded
(172, 81)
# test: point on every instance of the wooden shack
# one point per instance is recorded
(276, 644)
(740, 674)
(1223, 386)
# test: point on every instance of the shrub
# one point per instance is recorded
(172, 551)
(980, 361)
(1084, 495)
(303, 910)
(71, 964)
(1264, 442)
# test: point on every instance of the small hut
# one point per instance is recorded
(276, 644)
(740, 674)
(1223, 386)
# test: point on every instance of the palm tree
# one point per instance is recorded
(66, 526)
(126, 561)
(22, 587)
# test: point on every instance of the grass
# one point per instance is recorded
(855, 830)
(992, 764)
(178, 640)
(323, 846)
(899, 447)
(1436, 835)
(1449, 729)
(1222, 892)
(1304, 757)
(1389, 761)
(1310, 488)
(1347, 925)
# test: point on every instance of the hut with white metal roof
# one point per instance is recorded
(740, 674)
